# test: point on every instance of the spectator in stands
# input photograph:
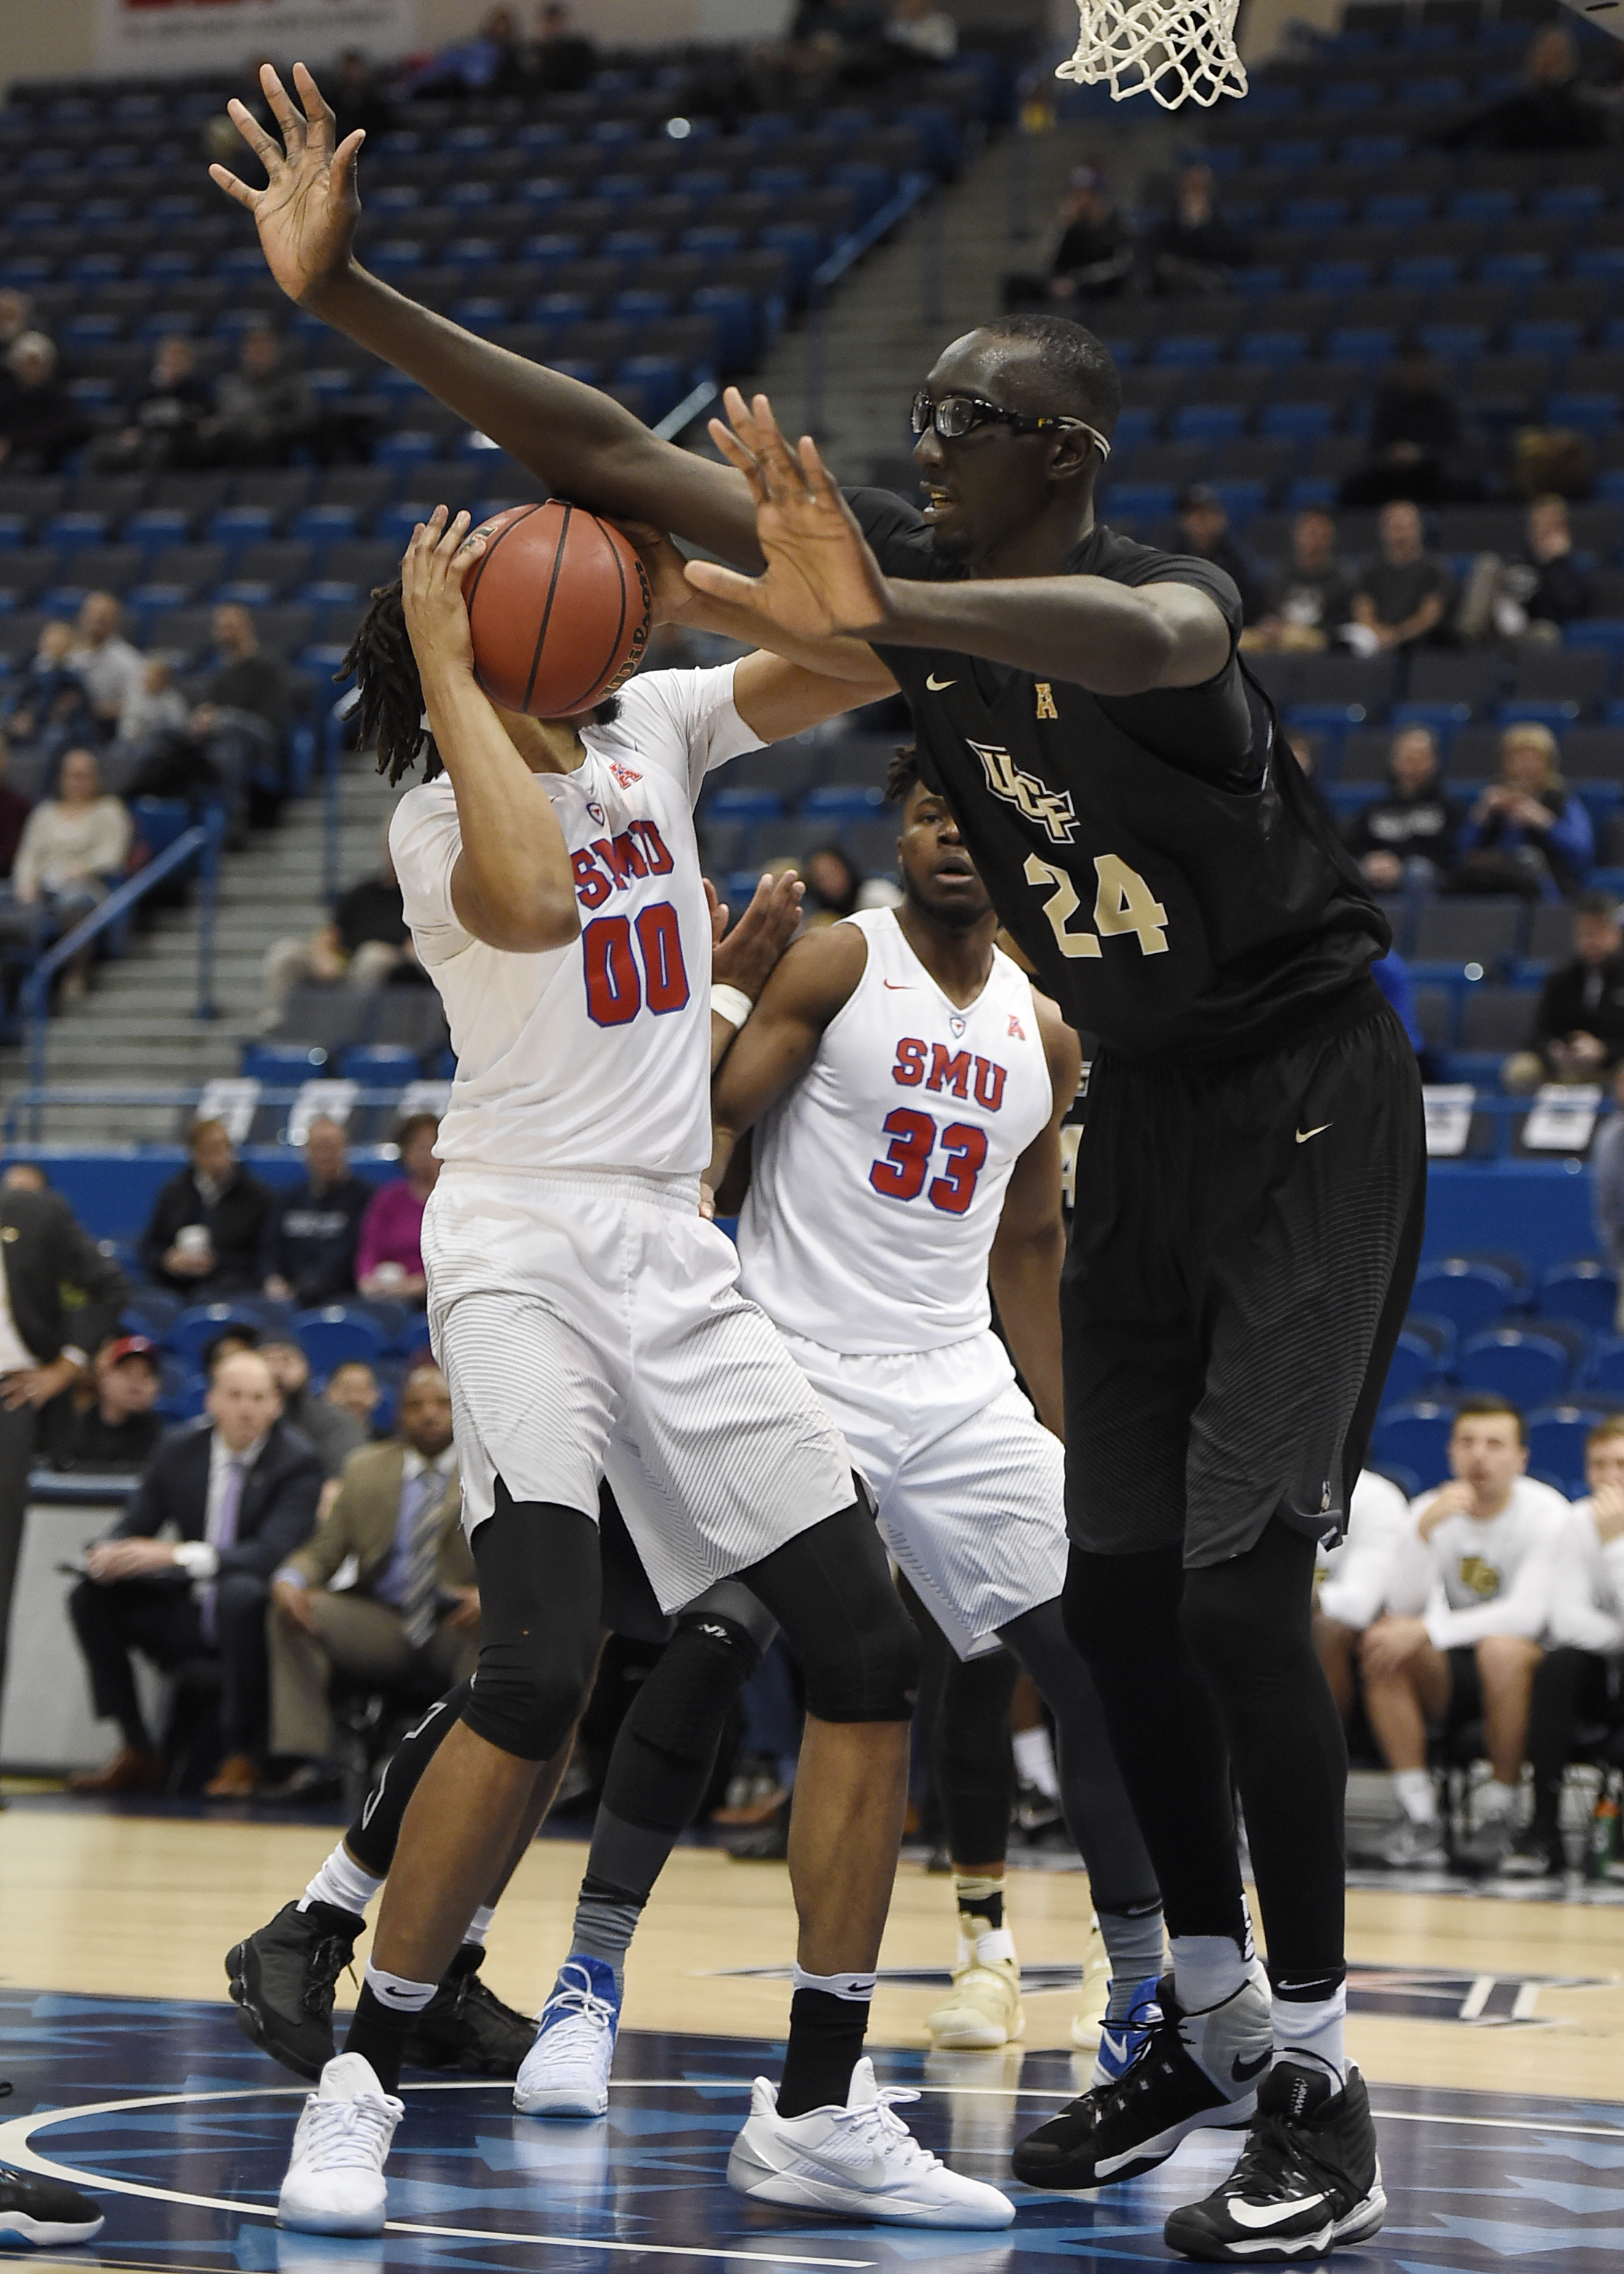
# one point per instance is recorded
(24, 1176)
(1356, 1580)
(110, 669)
(239, 1491)
(562, 59)
(1192, 248)
(1551, 110)
(156, 707)
(1305, 603)
(921, 33)
(365, 941)
(312, 1227)
(40, 422)
(1094, 255)
(1575, 1681)
(261, 409)
(162, 413)
(354, 1387)
(110, 1424)
(44, 1342)
(1405, 595)
(410, 1620)
(1204, 527)
(1534, 593)
(16, 316)
(237, 735)
(45, 703)
(833, 882)
(1414, 438)
(389, 1253)
(1479, 1575)
(71, 850)
(1527, 833)
(245, 677)
(335, 1433)
(207, 1225)
(14, 810)
(1577, 1034)
(1410, 832)
(358, 97)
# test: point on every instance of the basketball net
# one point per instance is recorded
(1177, 51)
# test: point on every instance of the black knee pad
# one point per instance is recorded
(831, 1589)
(693, 1689)
(865, 1672)
(520, 1707)
(540, 1590)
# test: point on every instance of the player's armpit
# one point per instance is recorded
(777, 1041)
(776, 697)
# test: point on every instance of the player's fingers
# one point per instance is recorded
(737, 457)
(737, 411)
(782, 467)
(815, 473)
(285, 111)
(723, 583)
(233, 188)
(265, 146)
(317, 111)
(344, 161)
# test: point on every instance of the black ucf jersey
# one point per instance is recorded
(1158, 858)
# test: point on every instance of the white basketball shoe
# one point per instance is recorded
(334, 2183)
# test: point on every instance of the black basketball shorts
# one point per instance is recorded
(1244, 1244)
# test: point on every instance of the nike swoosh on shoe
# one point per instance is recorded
(1258, 2216)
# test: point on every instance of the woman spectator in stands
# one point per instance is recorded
(1408, 834)
(207, 1225)
(72, 847)
(390, 1252)
(1094, 255)
(40, 422)
(1527, 833)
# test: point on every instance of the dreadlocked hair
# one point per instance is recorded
(390, 712)
(903, 774)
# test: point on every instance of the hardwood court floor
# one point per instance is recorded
(1476, 1993)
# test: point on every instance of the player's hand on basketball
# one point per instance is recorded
(745, 957)
(307, 211)
(674, 598)
(821, 579)
(436, 563)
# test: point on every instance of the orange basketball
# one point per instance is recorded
(559, 606)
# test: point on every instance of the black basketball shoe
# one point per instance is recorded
(1308, 2179)
(43, 2213)
(282, 1977)
(1193, 2070)
(465, 2027)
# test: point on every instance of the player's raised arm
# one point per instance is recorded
(779, 1039)
(822, 581)
(579, 440)
(1029, 1245)
(743, 960)
(512, 885)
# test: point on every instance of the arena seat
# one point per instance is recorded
(1413, 1370)
(1524, 1364)
(1416, 1436)
(1584, 1292)
(1469, 1294)
(338, 1332)
(1556, 1436)
(195, 1329)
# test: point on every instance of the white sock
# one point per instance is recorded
(1207, 1969)
(1312, 2031)
(1035, 1759)
(341, 1882)
(1495, 1801)
(994, 1948)
(856, 1989)
(1417, 1794)
(479, 1925)
(396, 1992)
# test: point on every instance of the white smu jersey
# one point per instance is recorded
(596, 1055)
(877, 1181)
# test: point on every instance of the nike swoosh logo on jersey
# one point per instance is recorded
(1303, 1135)
(936, 685)
(1257, 2216)
(898, 986)
(1242, 2072)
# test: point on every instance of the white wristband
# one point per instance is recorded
(731, 1003)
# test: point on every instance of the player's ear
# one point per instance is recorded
(1069, 456)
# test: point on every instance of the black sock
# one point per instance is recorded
(379, 2035)
(825, 2045)
(981, 1902)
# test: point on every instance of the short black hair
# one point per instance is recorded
(1484, 1402)
(1596, 904)
(903, 773)
(1077, 366)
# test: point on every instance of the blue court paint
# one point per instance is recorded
(183, 2129)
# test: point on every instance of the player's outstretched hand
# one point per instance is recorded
(745, 957)
(307, 211)
(438, 557)
(821, 578)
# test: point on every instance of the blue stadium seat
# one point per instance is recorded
(194, 1329)
(379, 1065)
(1413, 1369)
(1556, 1439)
(1417, 1437)
(338, 1332)
(1603, 1376)
(283, 1066)
(1523, 1365)
(1471, 1295)
(1439, 1336)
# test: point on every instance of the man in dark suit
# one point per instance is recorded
(208, 1222)
(239, 1493)
(43, 1343)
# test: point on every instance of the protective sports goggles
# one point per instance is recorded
(955, 416)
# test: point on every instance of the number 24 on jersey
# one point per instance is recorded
(1123, 903)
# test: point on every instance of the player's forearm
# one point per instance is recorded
(513, 858)
(583, 443)
(1025, 1286)
(843, 658)
(1084, 630)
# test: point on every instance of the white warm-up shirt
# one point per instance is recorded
(1357, 1574)
(596, 1055)
(1587, 1586)
(1490, 1578)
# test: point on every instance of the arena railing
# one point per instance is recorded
(911, 191)
(24, 1107)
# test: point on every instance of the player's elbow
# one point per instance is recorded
(553, 922)
(1143, 655)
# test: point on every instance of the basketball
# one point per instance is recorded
(560, 608)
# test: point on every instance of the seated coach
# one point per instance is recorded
(236, 1494)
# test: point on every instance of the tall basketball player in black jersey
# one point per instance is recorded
(1250, 1178)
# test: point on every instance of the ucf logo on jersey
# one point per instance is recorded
(1480, 1576)
(1050, 809)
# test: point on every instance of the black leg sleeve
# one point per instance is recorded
(540, 1594)
(372, 1838)
(972, 1758)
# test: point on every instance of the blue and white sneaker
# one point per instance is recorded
(1121, 2043)
(566, 2072)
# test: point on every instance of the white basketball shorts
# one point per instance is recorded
(590, 1325)
(970, 1485)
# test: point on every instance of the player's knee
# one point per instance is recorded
(869, 1671)
(522, 1703)
(685, 1702)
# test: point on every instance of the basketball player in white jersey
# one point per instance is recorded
(588, 1320)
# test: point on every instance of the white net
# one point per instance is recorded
(1177, 51)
